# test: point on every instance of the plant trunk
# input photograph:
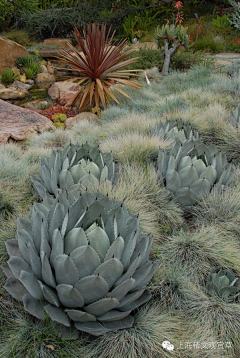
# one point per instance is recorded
(167, 55)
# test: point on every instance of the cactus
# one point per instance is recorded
(83, 262)
(234, 117)
(173, 130)
(73, 166)
(192, 169)
(225, 285)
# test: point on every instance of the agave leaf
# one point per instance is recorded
(23, 239)
(80, 316)
(227, 291)
(65, 270)
(74, 239)
(102, 306)
(92, 288)
(186, 197)
(104, 174)
(57, 245)
(209, 174)
(99, 241)
(120, 291)
(130, 272)
(44, 245)
(113, 315)
(35, 261)
(6, 269)
(129, 249)
(188, 176)
(137, 302)
(86, 260)
(94, 328)
(49, 294)
(17, 264)
(57, 218)
(33, 306)
(69, 296)
(15, 288)
(77, 172)
(173, 181)
(47, 274)
(37, 182)
(116, 249)
(110, 270)
(201, 187)
(12, 247)
(57, 315)
(31, 284)
(37, 223)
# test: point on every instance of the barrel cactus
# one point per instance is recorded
(73, 166)
(173, 130)
(224, 284)
(83, 262)
(190, 170)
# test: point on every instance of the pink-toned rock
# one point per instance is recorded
(9, 52)
(19, 123)
(12, 93)
(63, 90)
(69, 122)
(45, 77)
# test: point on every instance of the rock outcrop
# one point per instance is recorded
(63, 90)
(9, 52)
(18, 123)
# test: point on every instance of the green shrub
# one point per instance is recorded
(221, 22)
(207, 44)
(8, 77)
(147, 58)
(19, 36)
(25, 61)
(183, 60)
(29, 73)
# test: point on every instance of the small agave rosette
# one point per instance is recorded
(173, 130)
(83, 262)
(192, 169)
(66, 169)
(224, 284)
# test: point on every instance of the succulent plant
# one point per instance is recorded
(190, 170)
(234, 117)
(83, 262)
(174, 130)
(224, 284)
(73, 166)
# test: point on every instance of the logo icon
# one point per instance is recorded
(167, 345)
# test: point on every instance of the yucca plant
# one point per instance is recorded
(82, 261)
(75, 165)
(99, 67)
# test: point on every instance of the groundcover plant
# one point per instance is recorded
(82, 261)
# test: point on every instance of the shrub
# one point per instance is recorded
(19, 36)
(207, 44)
(148, 58)
(221, 22)
(235, 17)
(8, 77)
(29, 65)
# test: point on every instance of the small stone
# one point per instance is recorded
(11, 93)
(63, 90)
(44, 69)
(37, 104)
(45, 77)
(20, 85)
(69, 122)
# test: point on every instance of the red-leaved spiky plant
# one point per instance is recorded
(99, 65)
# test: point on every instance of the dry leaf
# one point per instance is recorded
(50, 347)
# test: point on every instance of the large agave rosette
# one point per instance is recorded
(73, 166)
(83, 262)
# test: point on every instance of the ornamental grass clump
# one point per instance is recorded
(75, 165)
(83, 262)
(98, 67)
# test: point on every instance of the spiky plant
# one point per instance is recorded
(174, 130)
(234, 117)
(224, 284)
(83, 262)
(98, 66)
(73, 166)
(192, 169)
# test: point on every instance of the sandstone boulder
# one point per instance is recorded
(12, 93)
(19, 124)
(45, 77)
(63, 90)
(9, 52)
(69, 122)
